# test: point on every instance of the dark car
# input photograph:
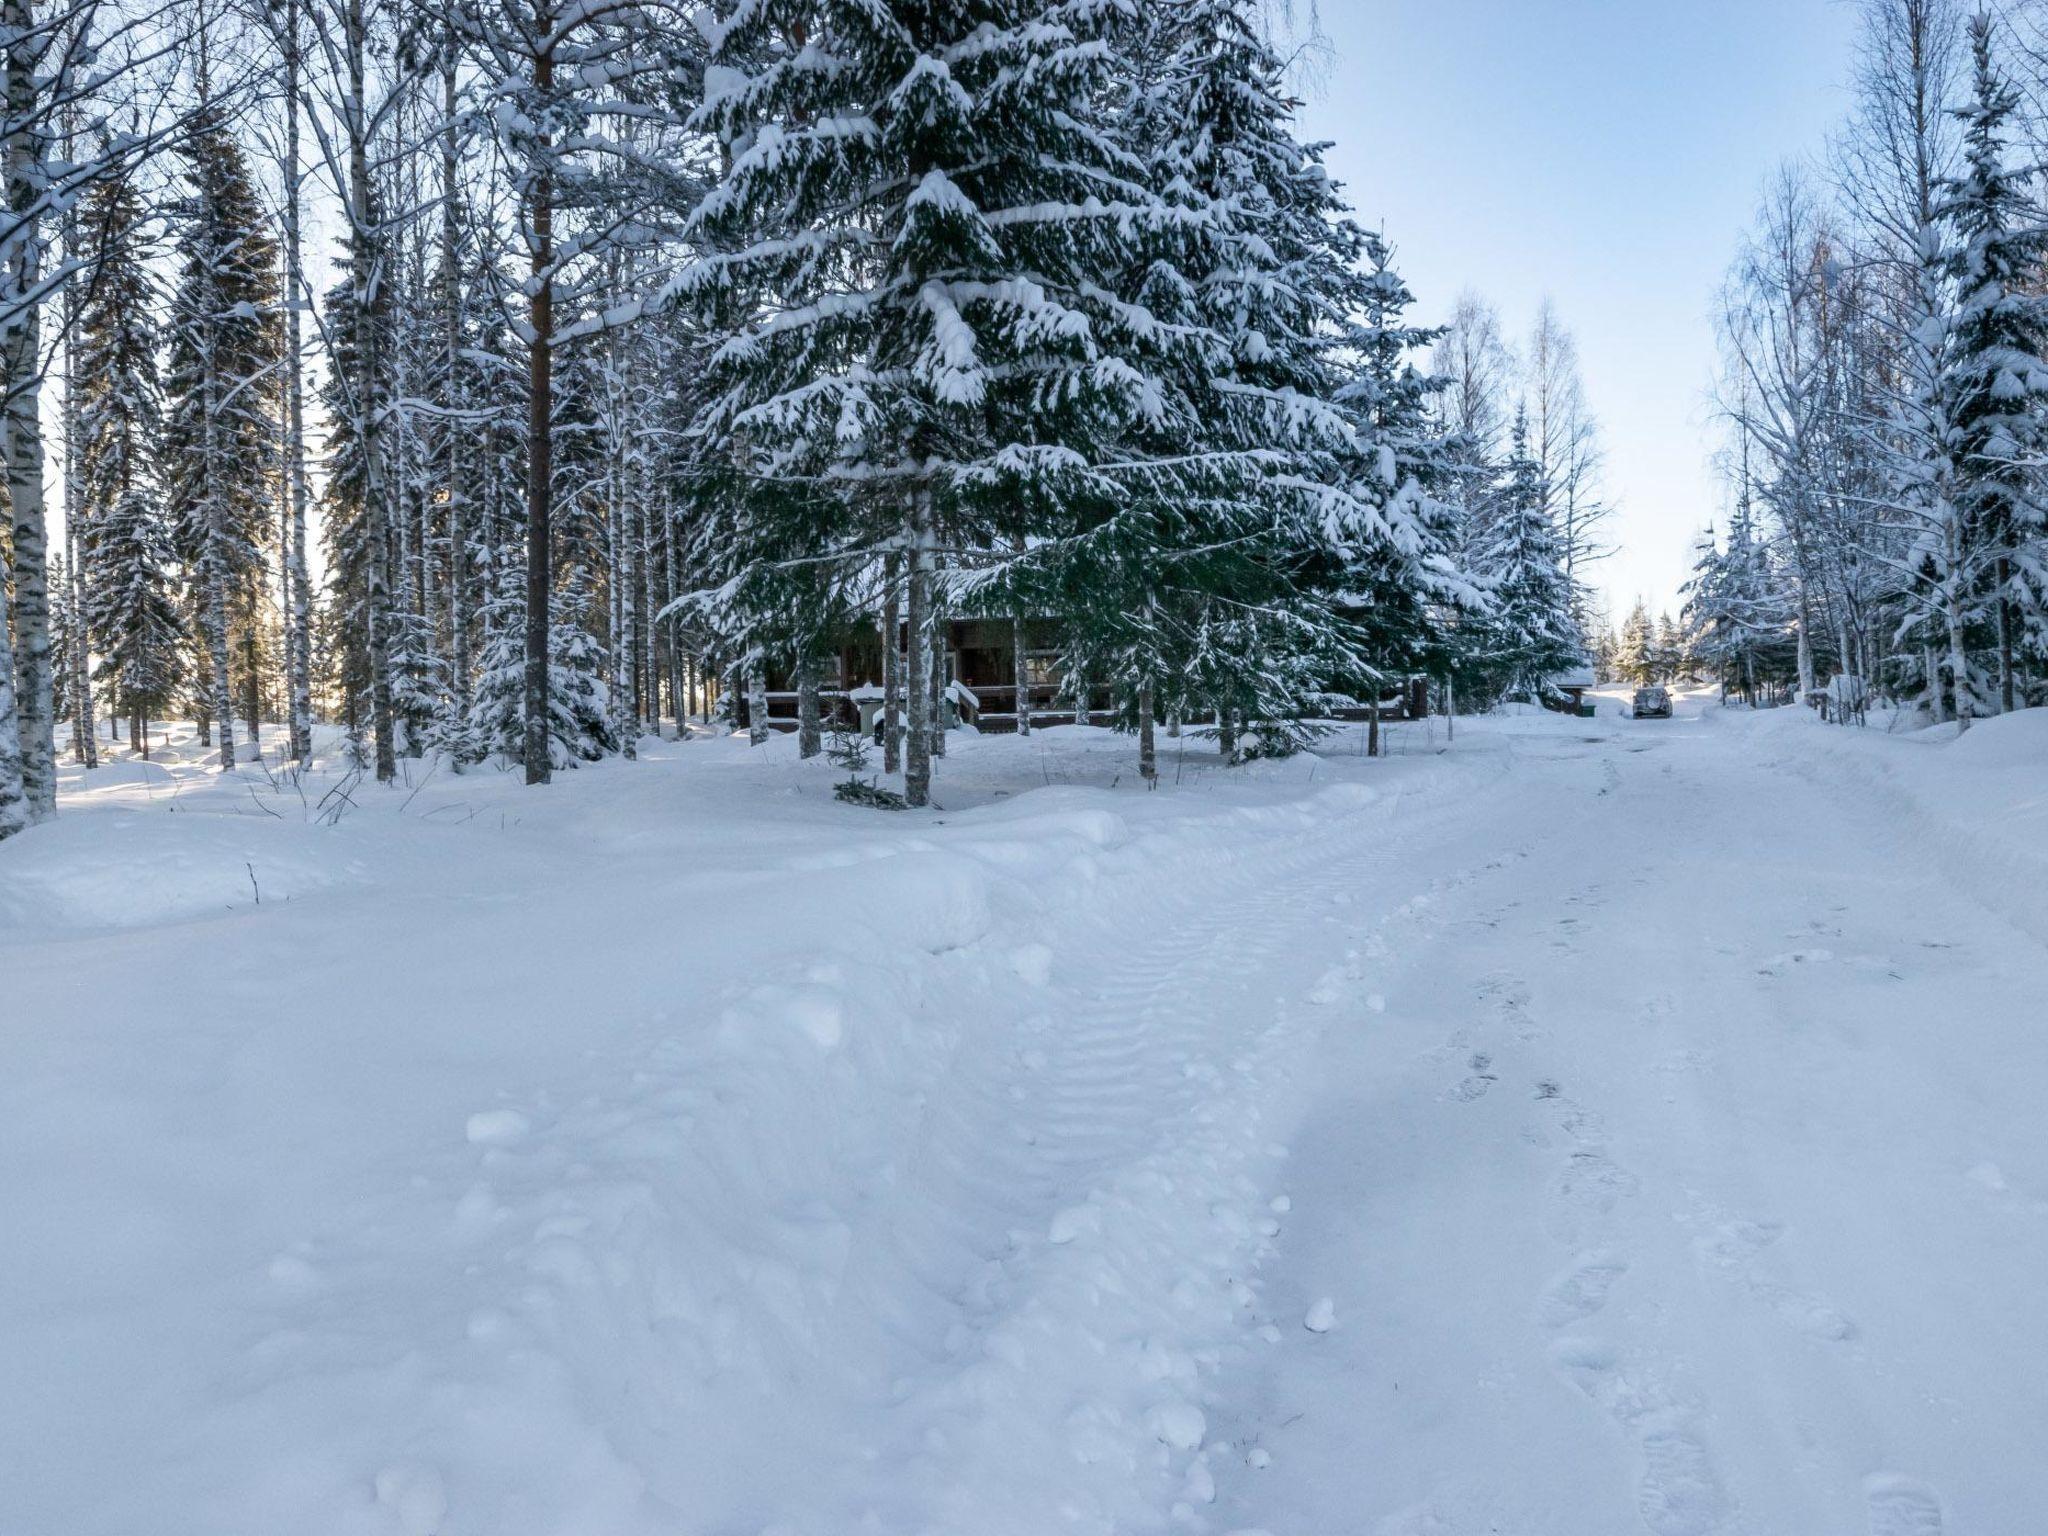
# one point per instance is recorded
(1652, 703)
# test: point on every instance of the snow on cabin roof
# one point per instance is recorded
(1573, 677)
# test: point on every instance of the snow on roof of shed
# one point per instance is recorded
(1574, 677)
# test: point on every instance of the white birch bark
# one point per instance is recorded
(917, 753)
(14, 809)
(20, 359)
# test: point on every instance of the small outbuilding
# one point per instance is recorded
(1571, 686)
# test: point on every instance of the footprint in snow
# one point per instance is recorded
(1899, 1506)
(1581, 1290)
(1594, 1182)
(1482, 1078)
(1679, 1492)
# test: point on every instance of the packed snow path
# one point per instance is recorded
(1590, 1129)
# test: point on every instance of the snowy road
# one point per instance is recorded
(1694, 1180)
(1587, 1131)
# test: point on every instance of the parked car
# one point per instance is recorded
(1652, 703)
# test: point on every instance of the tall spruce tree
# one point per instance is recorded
(920, 274)
(221, 384)
(1533, 633)
(133, 611)
(1994, 372)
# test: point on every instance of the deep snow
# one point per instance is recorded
(1584, 1127)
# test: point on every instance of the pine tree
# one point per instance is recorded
(1532, 633)
(923, 251)
(1636, 656)
(133, 613)
(580, 723)
(220, 434)
(1414, 600)
(1994, 373)
(357, 534)
(1669, 650)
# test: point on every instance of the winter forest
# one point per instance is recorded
(497, 380)
(807, 767)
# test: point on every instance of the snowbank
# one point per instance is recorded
(1975, 806)
(662, 1152)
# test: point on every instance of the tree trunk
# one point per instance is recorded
(539, 448)
(2006, 693)
(917, 756)
(14, 808)
(1959, 665)
(757, 703)
(456, 433)
(299, 611)
(1372, 725)
(1226, 735)
(34, 708)
(892, 666)
(221, 703)
(809, 732)
(941, 689)
(252, 687)
(362, 280)
(1023, 704)
(1805, 649)
(1148, 746)
(85, 747)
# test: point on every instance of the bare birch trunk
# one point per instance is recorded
(14, 808)
(85, 746)
(1148, 746)
(917, 756)
(940, 688)
(757, 703)
(1959, 664)
(1023, 671)
(20, 358)
(892, 666)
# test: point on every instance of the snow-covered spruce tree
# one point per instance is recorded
(133, 611)
(1409, 597)
(1223, 585)
(1994, 375)
(580, 725)
(1635, 658)
(1532, 633)
(356, 535)
(919, 271)
(221, 387)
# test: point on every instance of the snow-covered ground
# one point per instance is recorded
(1583, 1127)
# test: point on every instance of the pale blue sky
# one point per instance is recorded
(1606, 152)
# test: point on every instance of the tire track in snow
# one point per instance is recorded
(1135, 1214)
